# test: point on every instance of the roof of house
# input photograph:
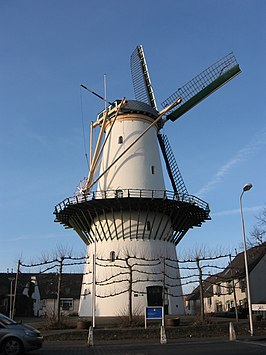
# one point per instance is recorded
(237, 268)
(70, 285)
(207, 289)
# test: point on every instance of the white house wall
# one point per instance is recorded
(48, 308)
(258, 282)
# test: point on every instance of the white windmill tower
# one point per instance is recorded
(130, 223)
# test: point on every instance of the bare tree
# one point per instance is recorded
(58, 255)
(257, 234)
(63, 251)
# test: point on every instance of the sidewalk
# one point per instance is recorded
(112, 333)
(140, 335)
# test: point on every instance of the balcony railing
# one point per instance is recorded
(134, 194)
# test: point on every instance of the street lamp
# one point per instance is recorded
(246, 187)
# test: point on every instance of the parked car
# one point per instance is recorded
(16, 338)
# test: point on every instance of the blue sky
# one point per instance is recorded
(48, 48)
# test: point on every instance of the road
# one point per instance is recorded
(181, 348)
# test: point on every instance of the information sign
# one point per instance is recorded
(154, 313)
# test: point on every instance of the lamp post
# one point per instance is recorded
(246, 187)
(11, 279)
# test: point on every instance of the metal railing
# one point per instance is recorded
(132, 193)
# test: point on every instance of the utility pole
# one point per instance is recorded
(201, 290)
(234, 288)
(15, 291)
(163, 320)
(59, 287)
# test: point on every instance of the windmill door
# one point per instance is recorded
(155, 297)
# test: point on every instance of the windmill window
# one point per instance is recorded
(153, 169)
(120, 140)
(148, 226)
(112, 256)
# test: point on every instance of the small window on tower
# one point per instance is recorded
(120, 140)
(112, 256)
(148, 225)
(153, 169)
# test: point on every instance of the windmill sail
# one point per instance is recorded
(171, 165)
(141, 78)
(203, 85)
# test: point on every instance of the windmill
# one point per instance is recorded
(130, 222)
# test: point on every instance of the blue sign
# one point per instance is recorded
(154, 312)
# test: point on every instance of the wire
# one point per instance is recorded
(83, 129)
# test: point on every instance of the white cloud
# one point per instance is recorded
(257, 142)
(253, 209)
(32, 237)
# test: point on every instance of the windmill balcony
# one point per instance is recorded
(132, 193)
(174, 213)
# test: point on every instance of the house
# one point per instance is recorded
(36, 294)
(218, 289)
(192, 301)
(46, 294)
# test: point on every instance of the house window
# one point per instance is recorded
(66, 304)
(229, 287)
(218, 289)
(112, 256)
(153, 169)
(219, 307)
(242, 285)
(120, 140)
(209, 301)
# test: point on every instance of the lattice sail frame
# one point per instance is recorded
(141, 79)
(174, 173)
(203, 85)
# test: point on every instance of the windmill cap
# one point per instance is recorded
(133, 106)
